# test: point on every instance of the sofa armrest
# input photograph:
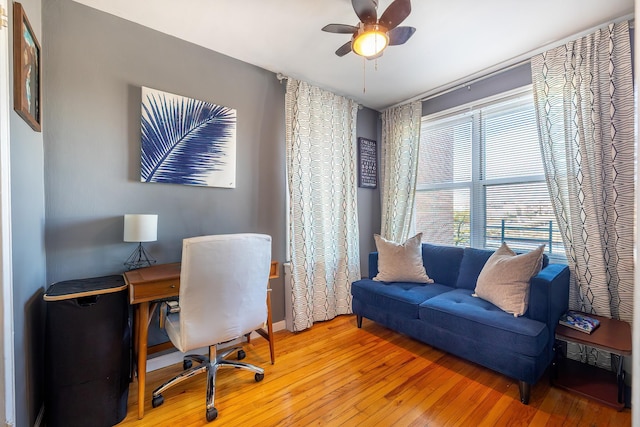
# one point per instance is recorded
(549, 294)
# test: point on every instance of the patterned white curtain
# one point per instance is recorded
(323, 215)
(585, 108)
(399, 169)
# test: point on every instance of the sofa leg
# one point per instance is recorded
(525, 391)
(359, 321)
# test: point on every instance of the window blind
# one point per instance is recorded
(481, 180)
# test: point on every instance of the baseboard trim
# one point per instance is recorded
(168, 359)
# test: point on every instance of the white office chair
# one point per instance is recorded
(223, 294)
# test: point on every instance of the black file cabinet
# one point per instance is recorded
(87, 352)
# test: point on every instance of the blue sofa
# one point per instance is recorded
(446, 315)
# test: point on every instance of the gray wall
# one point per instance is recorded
(96, 64)
(28, 249)
(369, 126)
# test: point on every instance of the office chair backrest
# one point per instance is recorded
(223, 287)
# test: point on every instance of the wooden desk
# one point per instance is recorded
(604, 386)
(151, 284)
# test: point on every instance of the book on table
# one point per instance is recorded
(579, 321)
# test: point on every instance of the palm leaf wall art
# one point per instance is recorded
(186, 141)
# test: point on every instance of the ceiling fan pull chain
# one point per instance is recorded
(364, 75)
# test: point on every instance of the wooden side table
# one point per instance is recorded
(590, 381)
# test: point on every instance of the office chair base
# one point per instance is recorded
(205, 364)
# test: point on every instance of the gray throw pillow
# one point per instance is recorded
(401, 262)
(504, 279)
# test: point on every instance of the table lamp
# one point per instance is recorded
(140, 228)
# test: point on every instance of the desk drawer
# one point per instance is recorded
(154, 290)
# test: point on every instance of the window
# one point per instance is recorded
(481, 181)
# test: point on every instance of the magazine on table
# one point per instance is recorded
(579, 321)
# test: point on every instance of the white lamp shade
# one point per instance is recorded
(140, 228)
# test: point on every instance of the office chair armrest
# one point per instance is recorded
(168, 307)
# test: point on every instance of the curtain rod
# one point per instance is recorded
(490, 72)
(508, 64)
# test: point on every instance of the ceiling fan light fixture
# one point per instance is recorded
(370, 40)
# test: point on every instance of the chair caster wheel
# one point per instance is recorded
(157, 401)
(187, 364)
(259, 377)
(241, 354)
(212, 414)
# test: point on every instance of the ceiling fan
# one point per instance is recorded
(372, 35)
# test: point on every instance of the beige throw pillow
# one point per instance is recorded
(400, 262)
(504, 279)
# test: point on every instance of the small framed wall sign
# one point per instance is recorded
(367, 163)
(26, 70)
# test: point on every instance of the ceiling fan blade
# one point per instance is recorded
(340, 28)
(344, 49)
(366, 10)
(395, 14)
(400, 35)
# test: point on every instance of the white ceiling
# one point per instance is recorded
(455, 39)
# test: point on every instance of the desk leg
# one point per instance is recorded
(270, 329)
(268, 334)
(142, 321)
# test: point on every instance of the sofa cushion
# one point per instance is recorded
(400, 262)
(504, 279)
(468, 316)
(442, 262)
(400, 298)
(471, 266)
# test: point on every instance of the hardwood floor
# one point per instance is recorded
(338, 375)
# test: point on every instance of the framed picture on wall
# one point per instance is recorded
(186, 141)
(26, 69)
(367, 163)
